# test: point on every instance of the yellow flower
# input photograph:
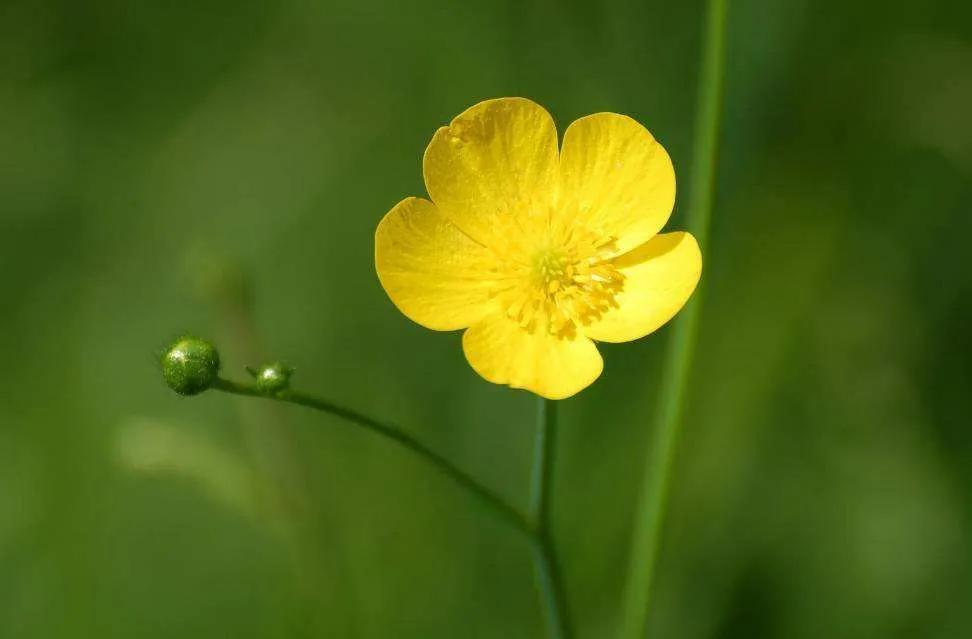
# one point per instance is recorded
(535, 251)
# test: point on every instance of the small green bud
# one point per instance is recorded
(190, 365)
(272, 378)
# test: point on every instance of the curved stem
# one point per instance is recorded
(545, 556)
(537, 527)
(394, 433)
(650, 513)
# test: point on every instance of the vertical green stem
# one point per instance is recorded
(545, 556)
(540, 471)
(650, 512)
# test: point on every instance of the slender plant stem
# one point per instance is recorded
(537, 526)
(650, 513)
(539, 485)
(545, 556)
(396, 434)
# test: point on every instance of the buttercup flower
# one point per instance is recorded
(536, 252)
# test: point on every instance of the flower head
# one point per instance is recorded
(539, 251)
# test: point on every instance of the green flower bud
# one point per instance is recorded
(272, 378)
(190, 365)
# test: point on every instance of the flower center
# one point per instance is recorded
(552, 269)
(566, 280)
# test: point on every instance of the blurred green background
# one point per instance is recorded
(220, 167)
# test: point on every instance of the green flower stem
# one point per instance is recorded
(650, 513)
(545, 556)
(392, 432)
(537, 527)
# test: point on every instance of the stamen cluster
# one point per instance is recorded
(564, 280)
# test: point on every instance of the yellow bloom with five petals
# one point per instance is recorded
(538, 251)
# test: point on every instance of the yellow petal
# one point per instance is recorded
(554, 367)
(660, 275)
(430, 269)
(616, 178)
(496, 161)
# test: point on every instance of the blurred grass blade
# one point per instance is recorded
(650, 509)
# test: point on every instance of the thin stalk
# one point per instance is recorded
(536, 526)
(651, 506)
(545, 556)
(394, 433)
(539, 480)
